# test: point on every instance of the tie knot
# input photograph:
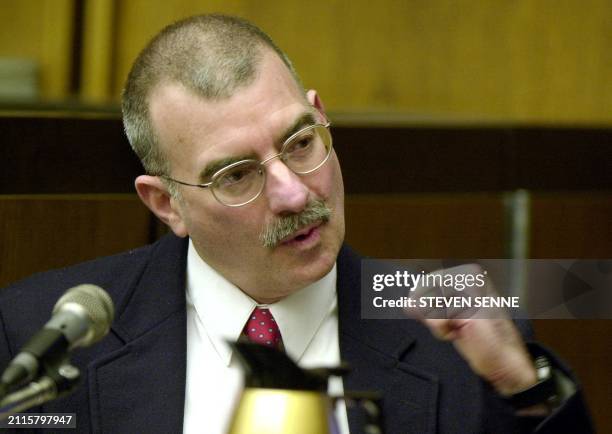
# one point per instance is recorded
(261, 328)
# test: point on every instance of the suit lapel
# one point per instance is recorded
(140, 387)
(375, 349)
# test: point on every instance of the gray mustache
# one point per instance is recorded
(281, 227)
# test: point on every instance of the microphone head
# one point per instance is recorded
(95, 303)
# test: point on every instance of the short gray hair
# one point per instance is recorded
(211, 55)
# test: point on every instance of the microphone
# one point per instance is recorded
(81, 317)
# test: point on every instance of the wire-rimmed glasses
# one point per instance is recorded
(242, 182)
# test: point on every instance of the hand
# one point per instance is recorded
(493, 348)
(485, 337)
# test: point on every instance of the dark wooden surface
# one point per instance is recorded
(38, 233)
(586, 346)
(432, 225)
(65, 156)
(92, 155)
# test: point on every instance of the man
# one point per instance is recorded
(240, 166)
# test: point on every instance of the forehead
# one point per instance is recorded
(192, 128)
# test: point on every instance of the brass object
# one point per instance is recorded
(282, 411)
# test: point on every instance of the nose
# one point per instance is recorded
(286, 192)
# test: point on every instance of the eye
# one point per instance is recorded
(235, 176)
(301, 144)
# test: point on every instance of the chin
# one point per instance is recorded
(316, 269)
(297, 276)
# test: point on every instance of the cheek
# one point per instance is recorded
(225, 228)
(336, 184)
(327, 182)
(336, 196)
(338, 181)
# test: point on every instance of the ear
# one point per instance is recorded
(154, 194)
(313, 98)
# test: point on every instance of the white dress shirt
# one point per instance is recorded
(217, 311)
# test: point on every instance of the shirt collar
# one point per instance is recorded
(223, 309)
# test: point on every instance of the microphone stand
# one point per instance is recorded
(57, 381)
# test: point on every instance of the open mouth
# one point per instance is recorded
(304, 235)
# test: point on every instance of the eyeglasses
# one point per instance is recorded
(242, 182)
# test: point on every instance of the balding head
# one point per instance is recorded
(211, 55)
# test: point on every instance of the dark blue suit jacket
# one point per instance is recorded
(134, 380)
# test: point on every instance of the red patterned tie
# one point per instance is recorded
(261, 328)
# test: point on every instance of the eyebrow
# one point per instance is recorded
(305, 119)
(216, 165)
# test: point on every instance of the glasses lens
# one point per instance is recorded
(308, 150)
(239, 184)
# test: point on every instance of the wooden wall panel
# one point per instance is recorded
(75, 153)
(41, 30)
(426, 225)
(544, 61)
(40, 232)
(571, 225)
(586, 346)
(98, 40)
(439, 225)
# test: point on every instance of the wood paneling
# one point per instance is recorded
(473, 158)
(571, 225)
(41, 30)
(426, 225)
(38, 232)
(578, 226)
(586, 346)
(66, 155)
(55, 155)
(526, 61)
(544, 61)
(97, 50)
